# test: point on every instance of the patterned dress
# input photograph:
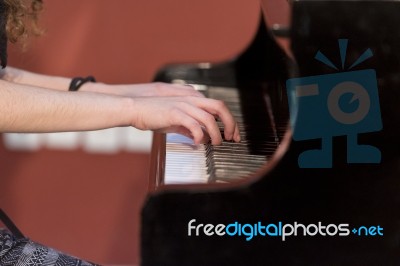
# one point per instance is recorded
(24, 252)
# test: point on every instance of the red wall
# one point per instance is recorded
(89, 205)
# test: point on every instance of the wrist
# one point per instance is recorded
(129, 112)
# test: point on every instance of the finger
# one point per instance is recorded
(182, 119)
(205, 119)
(206, 138)
(178, 130)
(183, 131)
(219, 108)
(236, 134)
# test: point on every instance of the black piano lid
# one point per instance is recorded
(356, 194)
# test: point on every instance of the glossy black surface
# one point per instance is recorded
(357, 194)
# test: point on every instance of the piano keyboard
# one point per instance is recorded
(187, 163)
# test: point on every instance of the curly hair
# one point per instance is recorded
(22, 19)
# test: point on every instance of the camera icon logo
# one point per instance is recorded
(340, 104)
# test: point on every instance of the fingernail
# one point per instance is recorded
(237, 138)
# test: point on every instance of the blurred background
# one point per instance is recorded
(82, 192)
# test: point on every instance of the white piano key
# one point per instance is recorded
(185, 162)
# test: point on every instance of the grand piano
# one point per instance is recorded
(261, 180)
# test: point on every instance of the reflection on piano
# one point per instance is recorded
(259, 180)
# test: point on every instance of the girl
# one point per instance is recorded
(32, 102)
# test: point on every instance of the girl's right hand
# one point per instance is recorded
(192, 116)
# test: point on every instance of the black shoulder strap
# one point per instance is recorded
(10, 225)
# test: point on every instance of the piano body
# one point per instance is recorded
(261, 181)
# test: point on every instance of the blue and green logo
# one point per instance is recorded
(339, 104)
